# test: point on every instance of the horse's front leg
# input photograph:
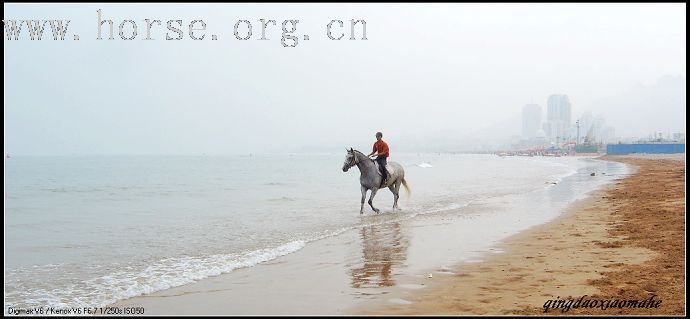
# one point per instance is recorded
(371, 199)
(364, 196)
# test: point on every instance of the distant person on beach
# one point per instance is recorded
(381, 152)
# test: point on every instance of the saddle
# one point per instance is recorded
(389, 169)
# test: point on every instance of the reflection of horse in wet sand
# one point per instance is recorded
(383, 247)
(370, 177)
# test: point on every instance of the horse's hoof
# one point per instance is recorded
(361, 212)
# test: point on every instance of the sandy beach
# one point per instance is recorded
(625, 242)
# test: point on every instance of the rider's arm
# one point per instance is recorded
(372, 152)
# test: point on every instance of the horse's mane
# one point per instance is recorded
(363, 155)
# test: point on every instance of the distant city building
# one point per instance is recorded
(593, 129)
(558, 118)
(679, 137)
(608, 135)
(560, 131)
(558, 108)
(531, 120)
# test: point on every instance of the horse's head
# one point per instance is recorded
(350, 160)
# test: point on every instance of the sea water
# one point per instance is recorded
(89, 231)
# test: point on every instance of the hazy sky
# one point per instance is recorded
(425, 70)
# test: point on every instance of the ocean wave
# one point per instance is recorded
(282, 199)
(276, 184)
(173, 272)
(164, 274)
(557, 178)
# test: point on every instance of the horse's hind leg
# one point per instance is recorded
(395, 196)
(371, 199)
(395, 189)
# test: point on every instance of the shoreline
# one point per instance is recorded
(377, 263)
(605, 246)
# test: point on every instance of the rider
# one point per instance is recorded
(381, 152)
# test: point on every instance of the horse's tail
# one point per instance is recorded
(407, 188)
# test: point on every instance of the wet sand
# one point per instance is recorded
(624, 242)
(330, 276)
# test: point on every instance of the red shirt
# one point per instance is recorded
(382, 148)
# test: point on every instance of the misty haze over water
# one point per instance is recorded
(430, 77)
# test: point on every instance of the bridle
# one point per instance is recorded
(354, 160)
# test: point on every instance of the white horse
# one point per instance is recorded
(370, 177)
